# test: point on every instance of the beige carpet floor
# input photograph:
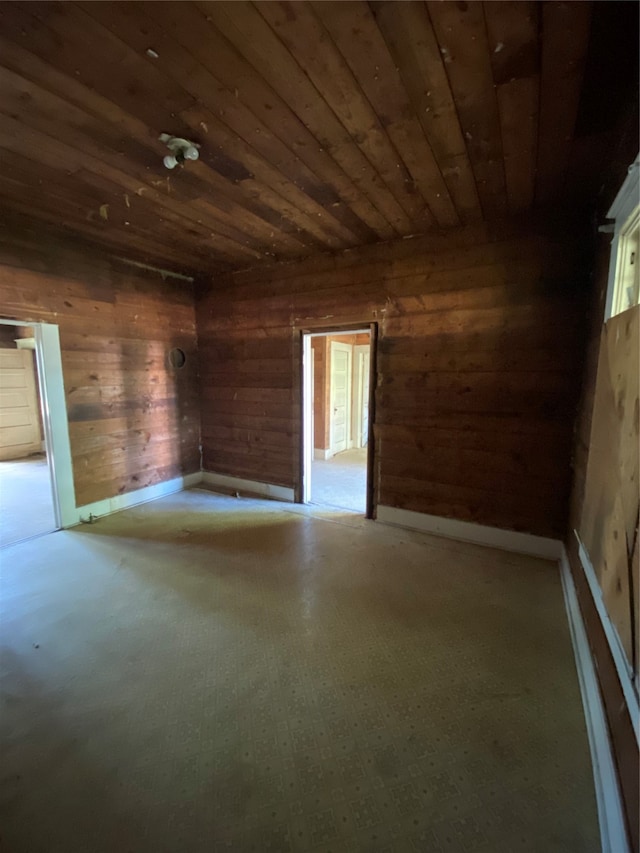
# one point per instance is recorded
(26, 502)
(206, 673)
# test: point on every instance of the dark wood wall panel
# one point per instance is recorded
(132, 421)
(480, 339)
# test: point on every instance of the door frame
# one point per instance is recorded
(54, 418)
(303, 485)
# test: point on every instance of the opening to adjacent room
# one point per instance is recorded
(26, 491)
(337, 418)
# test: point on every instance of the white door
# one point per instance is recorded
(363, 384)
(19, 417)
(340, 396)
(361, 356)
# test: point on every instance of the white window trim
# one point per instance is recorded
(621, 211)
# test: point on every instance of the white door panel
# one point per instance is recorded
(362, 359)
(19, 417)
(340, 396)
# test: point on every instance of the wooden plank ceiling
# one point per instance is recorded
(323, 125)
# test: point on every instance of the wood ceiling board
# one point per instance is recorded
(59, 153)
(565, 36)
(407, 30)
(233, 202)
(163, 175)
(250, 34)
(226, 140)
(300, 27)
(71, 41)
(282, 202)
(513, 29)
(81, 211)
(247, 86)
(253, 38)
(324, 126)
(56, 220)
(518, 108)
(53, 108)
(359, 147)
(373, 67)
(462, 38)
(513, 32)
(47, 114)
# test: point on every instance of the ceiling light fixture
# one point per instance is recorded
(181, 150)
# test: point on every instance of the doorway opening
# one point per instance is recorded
(28, 505)
(338, 366)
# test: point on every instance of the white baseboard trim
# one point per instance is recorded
(237, 484)
(322, 454)
(139, 496)
(611, 818)
(613, 639)
(479, 534)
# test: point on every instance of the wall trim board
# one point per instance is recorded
(139, 496)
(266, 490)
(611, 817)
(318, 453)
(619, 659)
(465, 531)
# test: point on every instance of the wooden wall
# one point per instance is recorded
(132, 422)
(480, 343)
(604, 506)
(598, 434)
(608, 520)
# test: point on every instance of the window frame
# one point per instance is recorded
(625, 211)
